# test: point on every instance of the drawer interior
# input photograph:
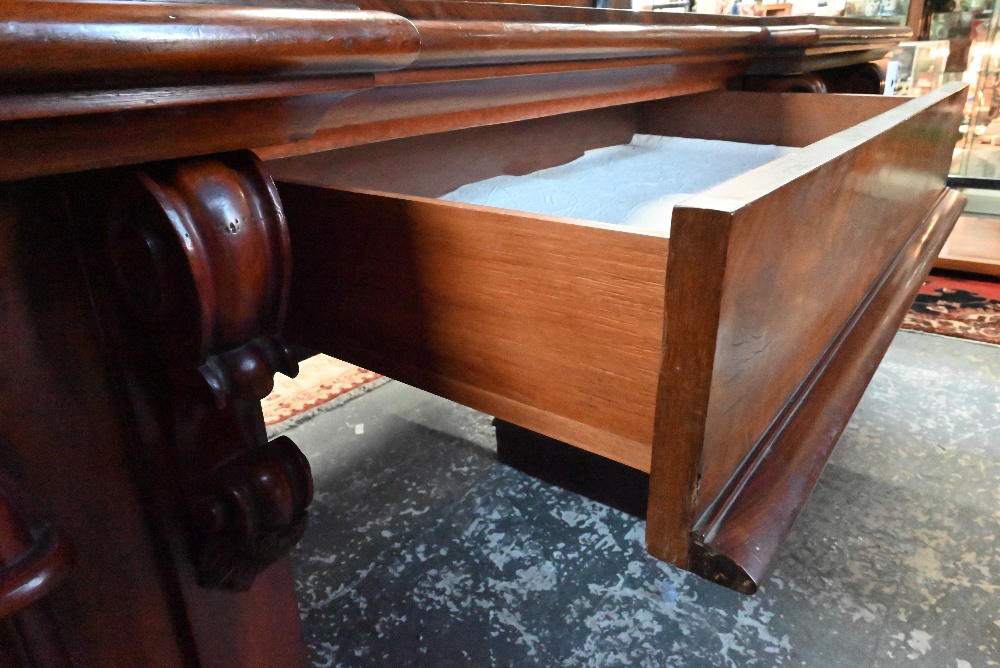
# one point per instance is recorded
(552, 323)
(436, 164)
(634, 185)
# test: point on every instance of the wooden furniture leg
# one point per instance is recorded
(141, 315)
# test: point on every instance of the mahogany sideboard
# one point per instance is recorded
(186, 190)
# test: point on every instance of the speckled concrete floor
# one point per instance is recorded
(424, 551)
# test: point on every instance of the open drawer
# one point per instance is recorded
(724, 360)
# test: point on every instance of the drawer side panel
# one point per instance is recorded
(792, 119)
(787, 256)
(553, 325)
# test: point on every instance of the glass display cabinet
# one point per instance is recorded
(975, 243)
(977, 153)
(896, 10)
(921, 66)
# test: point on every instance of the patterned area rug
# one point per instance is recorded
(321, 379)
(959, 307)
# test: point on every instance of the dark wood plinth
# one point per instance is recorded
(599, 478)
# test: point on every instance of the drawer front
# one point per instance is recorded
(785, 259)
(803, 250)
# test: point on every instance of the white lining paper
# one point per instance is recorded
(635, 184)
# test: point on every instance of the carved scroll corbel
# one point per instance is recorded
(200, 255)
(860, 79)
(808, 82)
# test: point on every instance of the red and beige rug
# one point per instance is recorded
(321, 379)
(957, 306)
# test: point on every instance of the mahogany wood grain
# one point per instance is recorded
(793, 40)
(508, 313)
(392, 112)
(290, 123)
(59, 418)
(851, 33)
(555, 324)
(623, 81)
(72, 143)
(888, 169)
(50, 105)
(704, 369)
(433, 165)
(723, 379)
(112, 44)
(34, 554)
(391, 168)
(463, 43)
(101, 84)
(187, 263)
(489, 71)
(34, 558)
(684, 382)
(794, 119)
(739, 541)
(775, 321)
(736, 545)
(255, 629)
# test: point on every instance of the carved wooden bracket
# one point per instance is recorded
(860, 79)
(250, 513)
(808, 82)
(200, 254)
